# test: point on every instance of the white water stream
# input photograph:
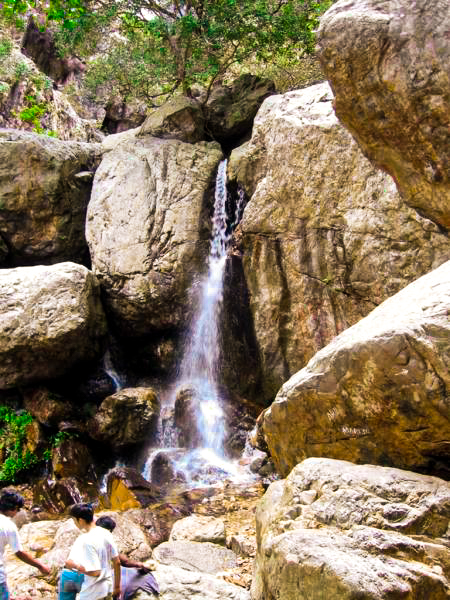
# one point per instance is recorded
(200, 366)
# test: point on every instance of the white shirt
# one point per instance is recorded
(95, 550)
(9, 534)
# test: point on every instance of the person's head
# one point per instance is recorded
(106, 523)
(82, 514)
(10, 503)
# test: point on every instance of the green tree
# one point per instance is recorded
(159, 47)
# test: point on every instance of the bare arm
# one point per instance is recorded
(130, 564)
(116, 567)
(29, 560)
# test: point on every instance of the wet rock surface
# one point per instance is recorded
(388, 64)
(378, 392)
(325, 236)
(365, 531)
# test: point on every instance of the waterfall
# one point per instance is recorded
(109, 369)
(203, 462)
(200, 364)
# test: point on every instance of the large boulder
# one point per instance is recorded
(230, 109)
(126, 418)
(127, 489)
(51, 320)
(324, 237)
(45, 185)
(148, 228)
(378, 392)
(181, 584)
(339, 531)
(389, 66)
(178, 119)
(199, 528)
(195, 556)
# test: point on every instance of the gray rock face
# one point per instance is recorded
(148, 228)
(195, 556)
(378, 393)
(371, 532)
(198, 528)
(325, 236)
(180, 584)
(45, 186)
(389, 66)
(127, 417)
(51, 319)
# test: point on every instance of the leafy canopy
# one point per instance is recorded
(159, 47)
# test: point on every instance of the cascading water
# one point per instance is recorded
(111, 371)
(200, 366)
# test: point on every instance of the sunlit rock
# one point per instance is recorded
(43, 199)
(126, 488)
(378, 393)
(148, 228)
(388, 64)
(325, 236)
(126, 418)
(195, 556)
(130, 538)
(180, 584)
(51, 320)
(197, 528)
(371, 532)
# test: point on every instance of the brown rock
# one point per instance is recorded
(71, 458)
(126, 418)
(180, 118)
(388, 64)
(230, 110)
(42, 201)
(45, 406)
(126, 489)
(378, 392)
(325, 237)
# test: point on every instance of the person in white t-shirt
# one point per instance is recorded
(98, 557)
(10, 504)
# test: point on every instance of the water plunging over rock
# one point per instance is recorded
(199, 417)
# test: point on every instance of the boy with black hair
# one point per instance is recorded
(95, 552)
(134, 576)
(10, 504)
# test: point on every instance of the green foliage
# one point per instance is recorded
(5, 47)
(33, 113)
(21, 70)
(13, 443)
(13, 433)
(161, 46)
